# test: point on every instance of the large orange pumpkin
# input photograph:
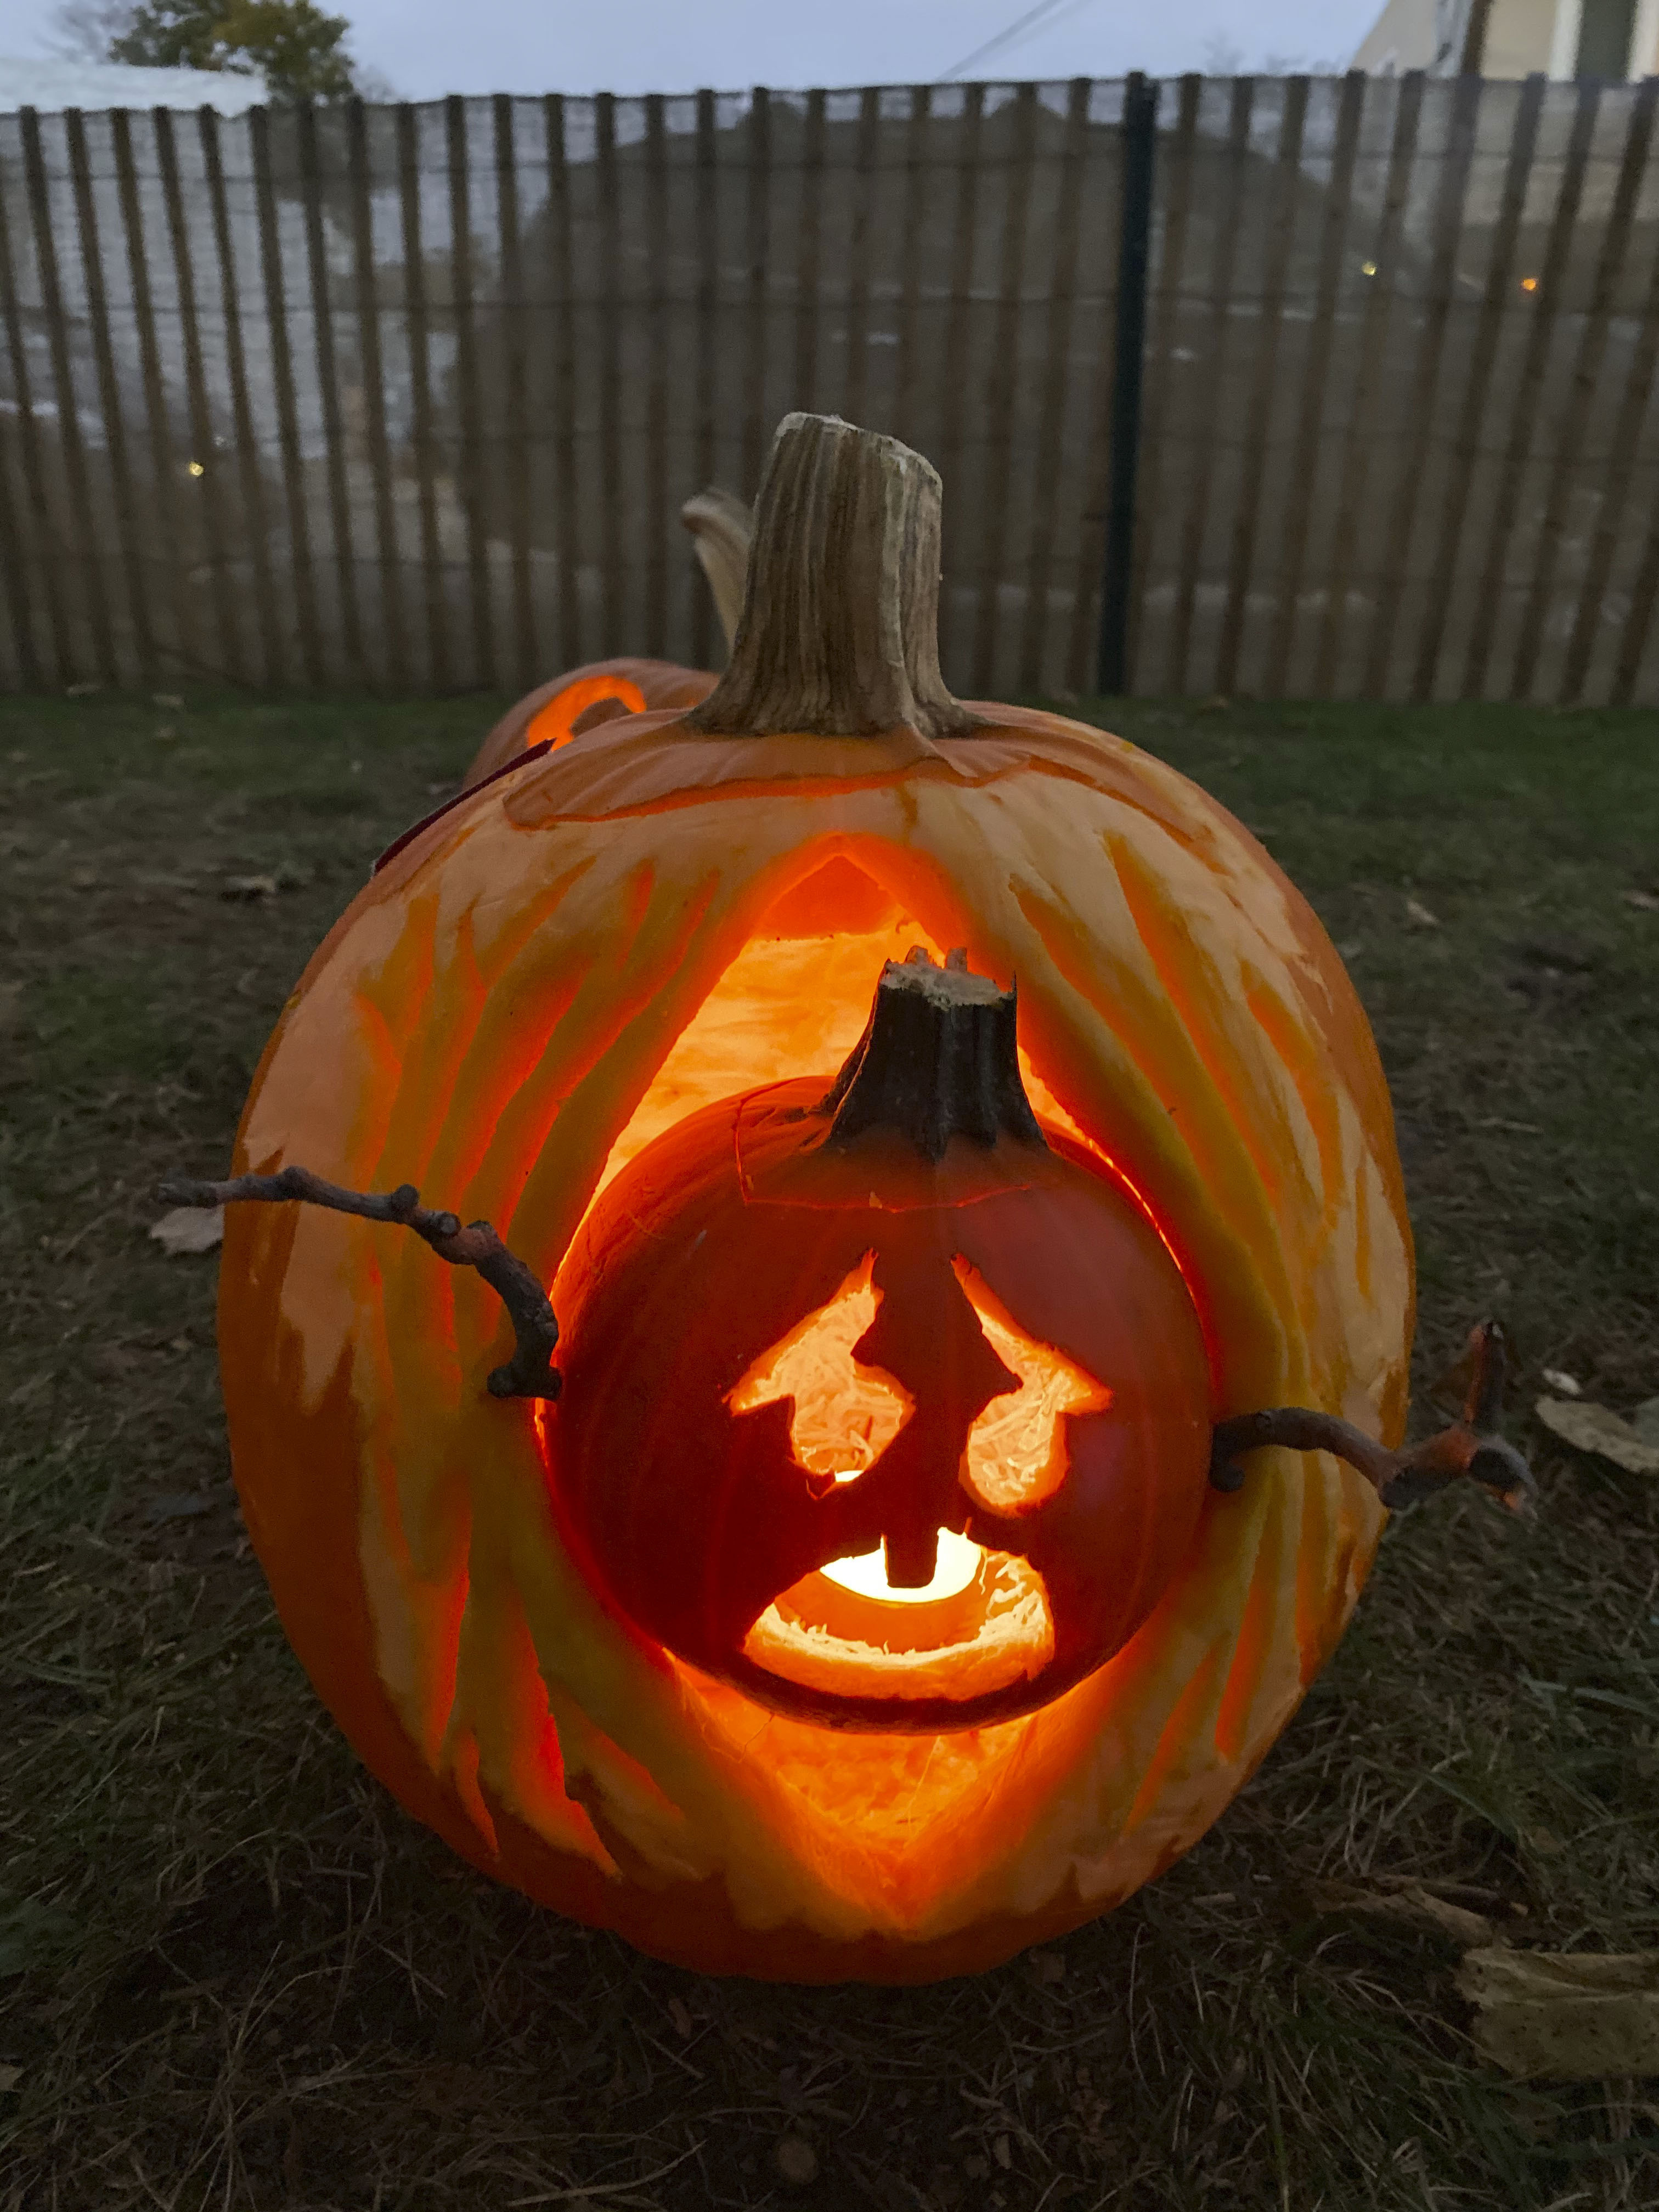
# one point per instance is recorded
(564, 1007)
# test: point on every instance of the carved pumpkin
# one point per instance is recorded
(565, 1007)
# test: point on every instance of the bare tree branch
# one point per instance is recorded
(1469, 1447)
(530, 1373)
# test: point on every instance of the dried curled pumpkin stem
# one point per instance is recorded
(1469, 1447)
(530, 1373)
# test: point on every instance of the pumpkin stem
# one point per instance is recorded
(937, 1059)
(839, 632)
(530, 1373)
(1469, 1447)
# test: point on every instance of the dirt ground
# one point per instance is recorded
(233, 1973)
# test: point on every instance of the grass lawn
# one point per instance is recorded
(233, 1973)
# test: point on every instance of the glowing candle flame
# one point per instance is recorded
(865, 1574)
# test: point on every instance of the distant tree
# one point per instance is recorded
(298, 50)
(85, 30)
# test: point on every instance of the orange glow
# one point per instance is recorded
(556, 723)
(866, 1574)
(786, 1006)
(969, 1642)
(845, 1415)
(1016, 1455)
(1529, 284)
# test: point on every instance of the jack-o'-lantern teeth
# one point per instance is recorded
(844, 1414)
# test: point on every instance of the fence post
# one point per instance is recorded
(1134, 254)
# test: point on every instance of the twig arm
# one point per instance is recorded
(530, 1373)
(1469, 1447)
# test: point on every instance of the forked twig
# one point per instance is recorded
(530, 1373)
(1469, 1447)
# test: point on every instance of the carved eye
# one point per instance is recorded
(1016, 1450)
(845, 1414)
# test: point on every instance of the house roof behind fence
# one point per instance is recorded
(53, 85)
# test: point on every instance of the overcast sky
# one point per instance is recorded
(430, 47)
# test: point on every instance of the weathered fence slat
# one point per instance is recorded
(567, 519)
(395, 644)
(1614, 500)
(1176, 164)
(1000, 389)
(1586, 373)
(916, 135)
(84, 535)
(48, 566)
(1316, 381)
(658, 370)
(1415, 466)
(1128, 371)
(1046, 484)
(1500, 278)
(857, 320)
(953, 353)
(328, 388)
(611, 492)
(1246, 515)
(757, 221)
(163, 460)
(709, 278)
(109, 397)
(515, 461)
(1368, 381)
(1524, 405)
(810, 243)
(203, 463)
(1178, 663)
(288, 426)
(241, 406)
(467, 389)
(24, 557)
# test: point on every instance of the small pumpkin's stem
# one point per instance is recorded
(937, 1059)
(839, 632)
(722, 527)
(530, 1373)
(1469, 1447)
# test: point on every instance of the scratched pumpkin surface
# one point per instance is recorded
(563, 968)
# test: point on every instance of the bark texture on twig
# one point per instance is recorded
(839, 633)
(1468, 1448)
(530, 1373)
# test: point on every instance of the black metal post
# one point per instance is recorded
(1134, 254)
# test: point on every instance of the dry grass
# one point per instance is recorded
(231, 1973)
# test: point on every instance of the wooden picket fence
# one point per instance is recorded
(1275, 387)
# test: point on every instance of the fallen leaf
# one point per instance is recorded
(1409, 1906)
(1644, 902)
(166, 698)
(796, 2160)
(1589, 1427)
(1645, 1420)
(1002, 2151)
(190, 1229)
(681, 2018)
(9, 2078)
(1564, 1384)
(1419, 917)
(249, 887)
(1564, 2016)
(81, 691)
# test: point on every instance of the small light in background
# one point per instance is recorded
(199, 468)
(1368, 267)
(1529, 284)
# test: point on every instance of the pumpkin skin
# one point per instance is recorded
(741, 1214)
(580, 699)
(578, 958)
